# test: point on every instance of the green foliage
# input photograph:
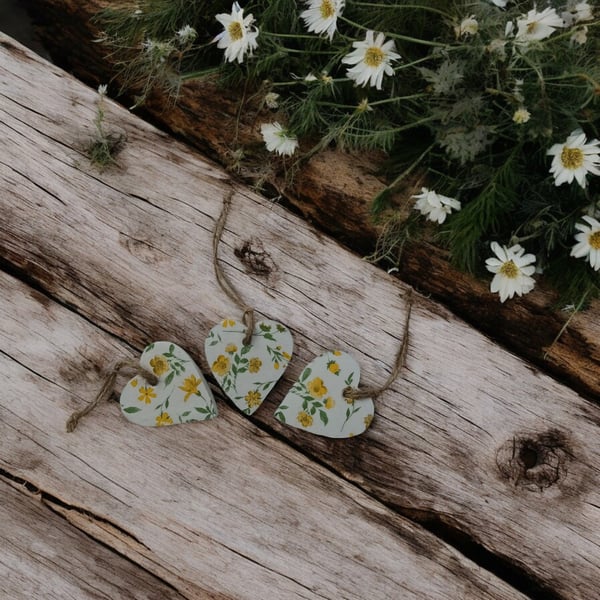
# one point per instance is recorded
(473, 104)
(486, 215)
(103, 149)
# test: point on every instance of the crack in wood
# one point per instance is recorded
(449, 532)
(54, 502)
(515, 575)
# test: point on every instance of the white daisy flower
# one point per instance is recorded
(582, 11)
(186, 34)
(588, 242)
(468, 26)
(435, 206)
(238, 36)
(579, 35)
(512, 270)
(371, 59)
(538, 25)
(272, 100)
(575, 159)
(278, 139)
(102, 89)
(321, 16)
(521, 115)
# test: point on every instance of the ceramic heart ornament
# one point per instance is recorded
(248, 373)
(180, 396)
(316, 402)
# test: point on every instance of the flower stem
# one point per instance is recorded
(295, 36)
(411, 168)
(409, 6)
(202, 73)
(396, 36)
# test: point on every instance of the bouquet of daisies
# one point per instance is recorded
(491, 109)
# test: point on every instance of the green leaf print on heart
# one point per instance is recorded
(180, 396)
(248, 373)
(316, 402)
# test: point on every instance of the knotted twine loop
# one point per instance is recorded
(107, 387)
(224, 283)
(364, 392)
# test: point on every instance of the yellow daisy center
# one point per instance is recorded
(594, 240)
(509, 269)
(532, 27)
(235, 31)
(327, 9)
(374, 56)
(571, 158)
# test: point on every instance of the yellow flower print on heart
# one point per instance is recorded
(221, 365)
(254, 365)
(329, 403)
(336, 353)
(159, 364)
(134, 382)
(276, 365)
(368, 420)
(230, 348)
(228, 323)
(333, 367)
(253, 399)
(304, 419)
(286, 355)
(316, 387)
(146, 394)
(190, 386)
(163, 419)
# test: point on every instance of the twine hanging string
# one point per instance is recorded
(107, 387)
(224, 283)
(365, 392)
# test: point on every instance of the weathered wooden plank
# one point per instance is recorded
(217, 508)
(45, 557)
(130, 250)
(332, 184)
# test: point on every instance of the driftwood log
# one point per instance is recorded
(479, 477)
(333, 184)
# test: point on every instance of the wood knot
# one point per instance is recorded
(535, 461)
(255, 258)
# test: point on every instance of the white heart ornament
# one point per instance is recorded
(180, 396)
(248, 373)
(316, 402)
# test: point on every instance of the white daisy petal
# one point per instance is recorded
(278, 139)
(238, 36)
(588, 242)
(321, 16)
(434, 206)
(371, 59)
(513, 270)
(535, 26)
(575, 159)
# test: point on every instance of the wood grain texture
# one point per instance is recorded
(217, 509)
(45, 557)
(332, 184)
(470, 436)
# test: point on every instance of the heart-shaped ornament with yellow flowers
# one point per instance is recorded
(247, 373)
(180, 396)
(316, 402)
